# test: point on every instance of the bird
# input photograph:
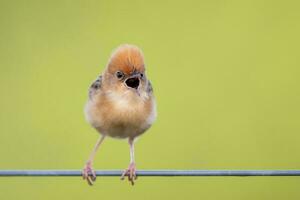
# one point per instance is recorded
(120, 105)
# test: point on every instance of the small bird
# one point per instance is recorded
(120, 104)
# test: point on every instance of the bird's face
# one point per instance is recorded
(132, 80)
(128, 81)
(126, 71)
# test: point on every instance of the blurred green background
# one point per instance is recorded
(226, 79)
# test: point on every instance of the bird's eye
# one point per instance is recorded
(142, 75)
(119, 75)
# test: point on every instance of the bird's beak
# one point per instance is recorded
(133, 81)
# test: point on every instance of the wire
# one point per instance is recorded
(10, 173)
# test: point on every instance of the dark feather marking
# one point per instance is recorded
(96, 85)
(149, 88)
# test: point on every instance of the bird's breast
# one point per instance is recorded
(121, 114)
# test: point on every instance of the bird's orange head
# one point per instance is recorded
(126, 69)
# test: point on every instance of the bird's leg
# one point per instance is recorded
(88, 173)
(130, 171)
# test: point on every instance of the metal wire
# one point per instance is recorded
(9, 173)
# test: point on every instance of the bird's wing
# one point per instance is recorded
(95, 87)
(149, 87)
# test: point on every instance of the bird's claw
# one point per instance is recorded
(89, 174)
(130, 172)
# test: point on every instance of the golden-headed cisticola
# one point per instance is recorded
(120, 104)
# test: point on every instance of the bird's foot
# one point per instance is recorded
(130, 172)
(88, 173)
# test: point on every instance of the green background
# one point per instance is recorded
(226, 79)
